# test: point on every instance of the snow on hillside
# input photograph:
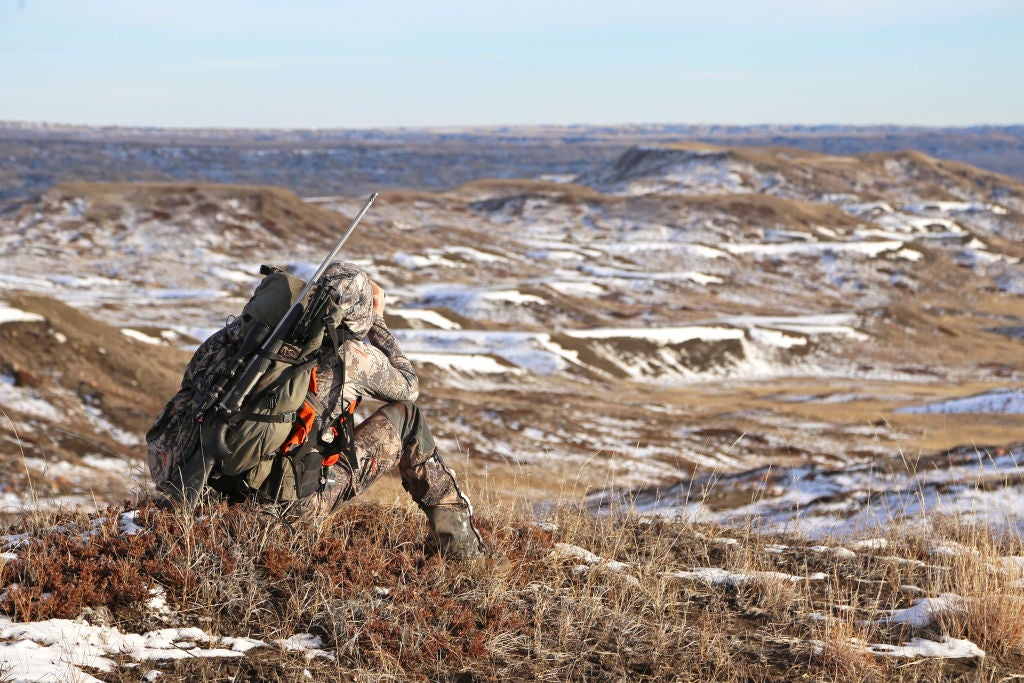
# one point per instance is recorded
(852, 502)
(10, 315)
(743, 347)
(655, 170)
(1003, 401)
(713, 287)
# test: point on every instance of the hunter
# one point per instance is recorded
(396, 434)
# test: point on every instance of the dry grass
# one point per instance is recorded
(991, 612)
(539, 609)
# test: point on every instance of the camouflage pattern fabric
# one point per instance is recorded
(392, 436)
(174, 437)
(375, 367)
(354, 294)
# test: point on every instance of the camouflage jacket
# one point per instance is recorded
(375, 367)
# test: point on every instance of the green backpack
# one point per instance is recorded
(269, 447)
(248, 421)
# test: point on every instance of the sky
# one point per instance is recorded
(418, 63)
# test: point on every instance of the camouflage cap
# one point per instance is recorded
(354, 294)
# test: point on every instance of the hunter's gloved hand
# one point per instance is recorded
(378, 299)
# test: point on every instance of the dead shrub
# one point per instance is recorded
(66, 569)
(771, 593)
(839, 653)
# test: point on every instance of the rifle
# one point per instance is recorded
(271, 344)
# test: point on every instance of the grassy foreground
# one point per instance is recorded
(571, 598)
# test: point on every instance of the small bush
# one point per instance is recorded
(62, 571)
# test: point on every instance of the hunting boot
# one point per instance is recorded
(452, 534)
(434, 487)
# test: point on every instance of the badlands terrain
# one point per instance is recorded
(314, 162)
(725, 333)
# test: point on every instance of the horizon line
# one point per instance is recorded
(501, 126)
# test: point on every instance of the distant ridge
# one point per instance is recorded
(315, 162)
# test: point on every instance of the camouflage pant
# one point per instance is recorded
(396, 434)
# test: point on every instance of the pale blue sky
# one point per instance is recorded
(336, 63)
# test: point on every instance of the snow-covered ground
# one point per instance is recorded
(1003, 401)
(62, 649)
(751, 353)
(977, 488)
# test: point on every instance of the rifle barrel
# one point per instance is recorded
(258, 364)
(341, 242)
(326, 262)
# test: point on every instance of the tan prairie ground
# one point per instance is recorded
(920, 254)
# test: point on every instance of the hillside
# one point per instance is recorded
(735, 309)
(77, 396)
(757, 409)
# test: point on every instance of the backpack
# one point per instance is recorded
(271, 446)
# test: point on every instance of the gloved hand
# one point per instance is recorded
(378, 299)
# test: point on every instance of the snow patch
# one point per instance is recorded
(813, 249)
(943, 207)
(947, 648)
(1003, 401)
(9, 314)
(574, 552)
(60, 649)
(579, 288)
(430, 317)
(512, 296)
(457, 362)
(142, 337)
(27, 402)
(664, 335)
(925, 611)
(619, 273)
(716, 576)
(127, 523)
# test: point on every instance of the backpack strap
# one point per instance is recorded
(246, 414)
(337, 347)
(271, 419)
